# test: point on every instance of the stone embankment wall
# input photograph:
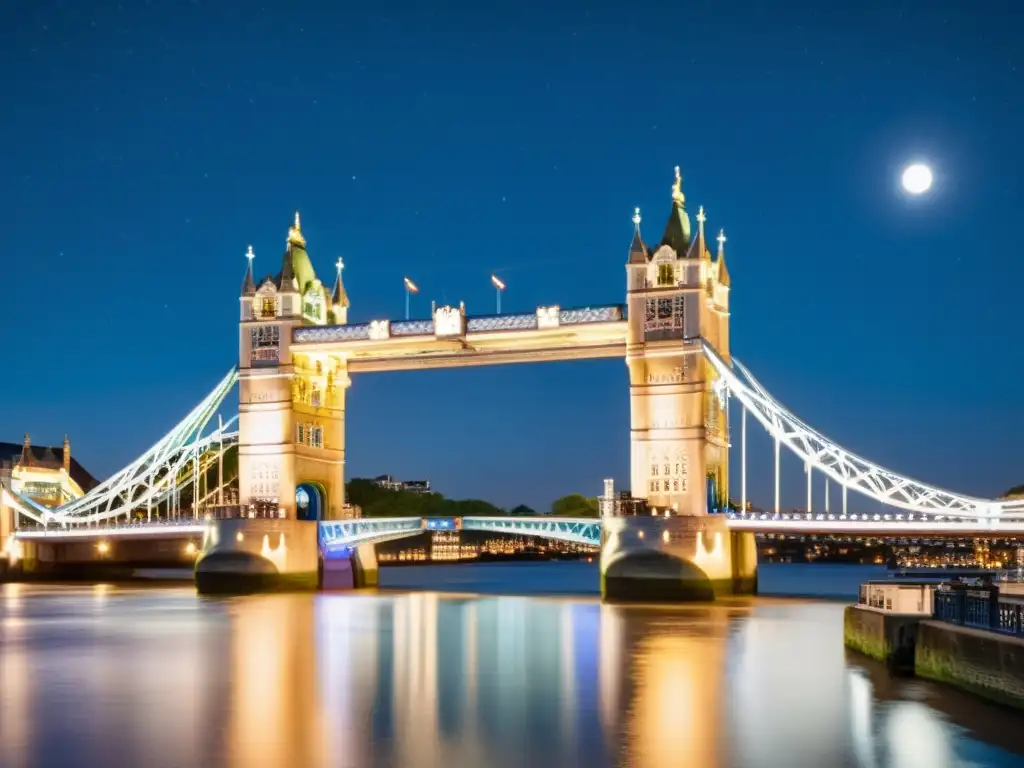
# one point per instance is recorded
(886, 637)
(985, 663)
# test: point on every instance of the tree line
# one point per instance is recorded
(375, 501)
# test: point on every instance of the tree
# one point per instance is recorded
(523, 511)
(575, 505)
(1017, 490)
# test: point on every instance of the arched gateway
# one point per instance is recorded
(298, 353)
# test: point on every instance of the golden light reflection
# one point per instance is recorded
(274, 710)
(674, 711)
(15, 686)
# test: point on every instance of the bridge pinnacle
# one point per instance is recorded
(677, 188)
(295, 232)
(723, 273)
(248, 283)
(636, 219)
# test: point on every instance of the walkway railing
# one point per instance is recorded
(980, 605)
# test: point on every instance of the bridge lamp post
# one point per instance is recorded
(499, 286)
(410, 289)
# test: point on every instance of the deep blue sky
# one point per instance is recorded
(145, 145)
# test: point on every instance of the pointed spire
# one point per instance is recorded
(295, 233)
(338, 296)
(637, 249)
(248, 283)
(27, 459)
(699, 248)
(677, 188)
(723, 273)
(677, 230)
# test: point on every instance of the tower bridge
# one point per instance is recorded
(285, 516)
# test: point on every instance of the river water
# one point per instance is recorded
(468, 665)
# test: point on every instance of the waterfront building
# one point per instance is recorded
(388, 482)
(48, 475)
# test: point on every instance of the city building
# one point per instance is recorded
(413, 486)
(47, 475)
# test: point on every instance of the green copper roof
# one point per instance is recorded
(677, 230)
(296, 264)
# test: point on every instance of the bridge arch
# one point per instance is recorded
(310, 501)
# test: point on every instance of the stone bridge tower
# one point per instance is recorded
(677, 295)
(291, 408)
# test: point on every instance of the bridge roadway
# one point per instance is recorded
(337, 535)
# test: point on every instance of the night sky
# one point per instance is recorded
(145, 145)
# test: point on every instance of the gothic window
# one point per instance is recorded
(666, 274)
(316, 438)
(315, 397)
(300, 436)
(654, 469)
(313, 307)
(265, 340)
(664, 485)
(267, 307)
(664, 318)
(711, 420)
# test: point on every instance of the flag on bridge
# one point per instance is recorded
(410, 286)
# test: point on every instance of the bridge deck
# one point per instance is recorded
(549, 334)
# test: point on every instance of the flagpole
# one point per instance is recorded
(499, 286)
(410, 289)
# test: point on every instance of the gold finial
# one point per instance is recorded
(636, 218)
(250, 255)
(721, 240)
(701, 218)
(677, 188)
(295, 233)
(340, 265)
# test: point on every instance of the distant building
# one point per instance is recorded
(47, 475)
(413, 486)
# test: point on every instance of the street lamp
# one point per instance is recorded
(410, 289)
(499, 286)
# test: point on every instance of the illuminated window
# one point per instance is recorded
(666, 274)
(316, 437)
(267, 306)
(313, 307)
(315, 397)
(669, 474)
(665, 318)
(300, 436)
(265, 340)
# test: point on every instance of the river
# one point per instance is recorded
(468, 665)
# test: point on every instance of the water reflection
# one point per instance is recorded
(161, 678)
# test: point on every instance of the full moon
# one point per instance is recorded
(917, 179)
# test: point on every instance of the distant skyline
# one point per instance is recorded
(149, 145)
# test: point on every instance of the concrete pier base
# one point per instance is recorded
(248, 555)
(675, 559)
(356, 570)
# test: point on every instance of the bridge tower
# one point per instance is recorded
(291, 428)
(678, 301)
(679, 435)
